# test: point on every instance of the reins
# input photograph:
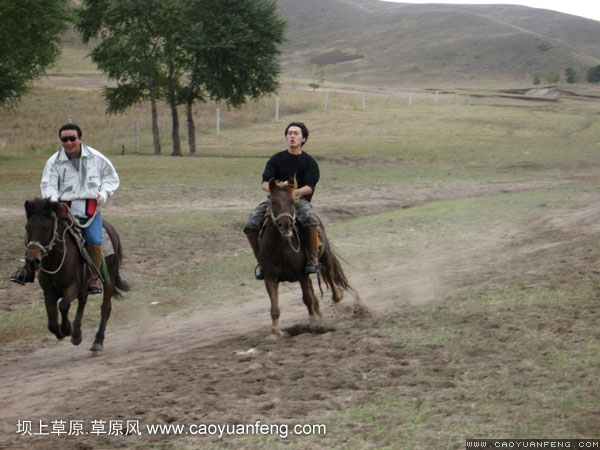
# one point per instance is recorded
(55, 238)
(44, 248)
(295, 231)
(292, 217)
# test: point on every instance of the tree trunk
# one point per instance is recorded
(155, 132)
(174, 115)
(191, 128)
(175, 131)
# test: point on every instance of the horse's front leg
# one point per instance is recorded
(81, 301)
(271, 284)
(309, 299)
(50, 301)
(64, 304)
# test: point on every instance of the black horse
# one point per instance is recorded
(282, 255)
(54, 250)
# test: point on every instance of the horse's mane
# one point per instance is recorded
(39, 205)
(289, 186)
(280, 184)
(42, 207)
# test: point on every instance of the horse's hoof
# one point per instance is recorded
(58, 335)
(97, 347)
(279, 335)
(75, 340)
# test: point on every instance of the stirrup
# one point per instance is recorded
(311, 269)
(22, 276)
(258, 273)
(18, 277)
(94, 287)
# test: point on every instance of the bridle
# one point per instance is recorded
(46, 249)
(277, 218)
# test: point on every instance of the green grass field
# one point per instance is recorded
(441, 187)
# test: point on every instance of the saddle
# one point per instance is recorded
(75, 226)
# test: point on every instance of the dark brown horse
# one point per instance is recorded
(52, 248)
(282, 255)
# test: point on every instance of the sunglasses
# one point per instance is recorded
(68, 138)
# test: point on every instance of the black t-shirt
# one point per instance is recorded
(283, 165)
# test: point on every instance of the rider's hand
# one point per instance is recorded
(101, 198)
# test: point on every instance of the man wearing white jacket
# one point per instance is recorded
(84, 179)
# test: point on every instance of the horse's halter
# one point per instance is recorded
(287, 230)
(276, 219)
(46, 249)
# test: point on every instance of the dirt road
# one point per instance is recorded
(217, 366)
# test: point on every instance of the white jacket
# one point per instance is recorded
(96, 176)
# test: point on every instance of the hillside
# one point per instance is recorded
(399, 45)
(393, 44)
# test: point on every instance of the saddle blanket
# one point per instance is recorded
(107, 247)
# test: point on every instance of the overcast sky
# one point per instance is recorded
(584, 8)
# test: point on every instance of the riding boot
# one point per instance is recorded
(94, 285)
(312, 239)
(253, 239)
(23, 275)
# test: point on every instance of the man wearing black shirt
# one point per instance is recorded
(282, 166)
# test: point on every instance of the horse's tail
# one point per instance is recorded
(339, 277)
(121, 285)
(334, 277)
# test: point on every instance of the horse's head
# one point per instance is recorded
(283, 205)
(40, 229)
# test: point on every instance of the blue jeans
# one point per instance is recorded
(93, 233)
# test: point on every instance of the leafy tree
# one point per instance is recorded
(130, 52)
(29, 43)
(184, 51)
(593, 74)
(230, 51)
(571, 75)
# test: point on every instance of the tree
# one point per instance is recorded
(184, 51)
(571, 75)
(231, 49)
(29, 43)
(129, 52)
(593, 74)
